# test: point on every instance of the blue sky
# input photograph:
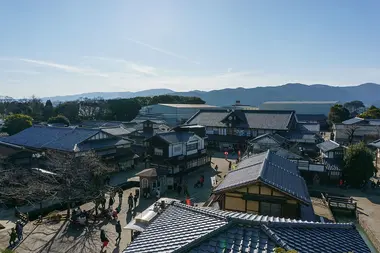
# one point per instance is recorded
(67, 47)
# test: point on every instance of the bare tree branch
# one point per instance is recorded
(68, 178)
(350, 132)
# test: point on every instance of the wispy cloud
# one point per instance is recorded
(128, 66)
(24, 72)
(163, 51)
(66, 68)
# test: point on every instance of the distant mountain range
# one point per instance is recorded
(369, 93)
(111, 95)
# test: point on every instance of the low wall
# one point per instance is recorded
(374, 240)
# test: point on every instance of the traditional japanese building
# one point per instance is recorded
(266, 184)
(180, 151)
(176, 227)
(75, 140)
(230, 129)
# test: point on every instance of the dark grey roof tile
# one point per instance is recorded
(175, 137)
(328, 145)
(59, 138)
(271, 169)
(257, 119)
(178, 231)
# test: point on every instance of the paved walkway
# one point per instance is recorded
(59, 238)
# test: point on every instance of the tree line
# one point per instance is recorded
(339, 113)
(24, 112)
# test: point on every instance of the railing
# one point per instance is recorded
(371, 236)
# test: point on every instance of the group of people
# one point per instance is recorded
(104, 239)
(16, 234)
(80, 216)
(132, 201)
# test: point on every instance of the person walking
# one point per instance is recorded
(19, 230)
(12, 238)
(120, 196)
(118, 231)
(103, 239)
(158, 194)
(130, 201)
(135, 198)
(111, 202)
(202, 180)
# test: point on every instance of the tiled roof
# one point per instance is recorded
(352, 121)
(257, 119)
(372, 122)
(98, 124)
(118, 131)
(60, 138)
(174, 228)
(301, 136)
(98, 144)
(328, 145)
(276, 137)
(311, 117)
(271, 169)
(175, 137)
(375, 144)
(309, 127)
(287, 154)
(182, 228)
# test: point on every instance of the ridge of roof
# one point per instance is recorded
(255, 219)
(272, 235)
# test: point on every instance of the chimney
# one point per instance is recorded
(237, 102)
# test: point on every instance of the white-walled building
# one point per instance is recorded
(358, 129)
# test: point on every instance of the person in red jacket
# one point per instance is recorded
(202, 180)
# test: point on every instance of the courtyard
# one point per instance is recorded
(61, 237)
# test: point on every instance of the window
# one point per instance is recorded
(158, 151)
(192, 146)
(270, 209)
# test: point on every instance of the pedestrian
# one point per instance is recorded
(118, 230)
(103, 202)
(111, 202)
(114, 214)
(135, 198)
(120, 196)
(130, 201)
(19, 230)
(12, 239)
(103, 239)
(202, 180)
(216, 167)
(158, 194)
